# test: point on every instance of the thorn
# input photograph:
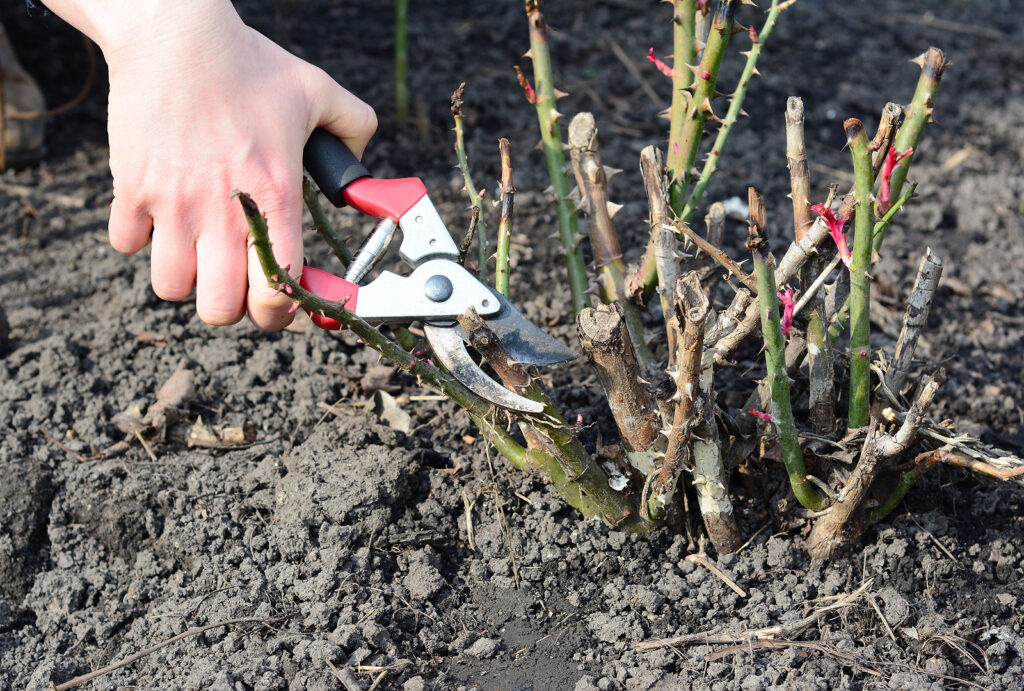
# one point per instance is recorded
(539, 146)
(610, 172)
(737, 28)
(919, 60)
(576, 195)
(549, 191)
(560, 94)
(613, 209)
(756, 72)
(555, 115)
(528, 54)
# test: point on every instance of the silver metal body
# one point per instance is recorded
(437, 291)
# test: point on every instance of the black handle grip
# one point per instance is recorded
(331, 165)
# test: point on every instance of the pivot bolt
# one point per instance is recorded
(438, 288)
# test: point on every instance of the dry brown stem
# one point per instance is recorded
(918, 304)
(604, 337)
(842, 526)
(888, 125)
(692, 307)
(799, 175)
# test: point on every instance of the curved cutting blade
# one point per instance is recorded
(525, 342)
(448, 347)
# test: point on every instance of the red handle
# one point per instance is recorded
(329, 287)
(384, 198)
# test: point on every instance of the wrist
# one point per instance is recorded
(126, 30)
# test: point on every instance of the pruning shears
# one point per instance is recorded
(437, 290)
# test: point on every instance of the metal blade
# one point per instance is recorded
(525, 342)
(449, 348)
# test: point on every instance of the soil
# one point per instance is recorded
(349, 538)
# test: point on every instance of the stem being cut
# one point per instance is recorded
(584, 481)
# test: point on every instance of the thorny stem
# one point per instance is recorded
(592, 181)
(692, 306)
(475, 199)
(508, 192)
(775, 359)
(323, 225)
(401, 61)
(735, 110)
(932, 63)
(698, 106)
(683, 58)
(551, 143)
(860, 280)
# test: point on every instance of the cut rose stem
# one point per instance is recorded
(551, 143)
(775, 357)
(888, 125)
(821, 386)
(684, 14)
(799, 174)
(693, 308)
(475, 199)
(592, 180)
(860, 279)
(842, 526)
(508, 192)
(606, 341)
(666, 253)
(585, 484)
(918, 305)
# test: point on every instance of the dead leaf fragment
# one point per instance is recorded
(219, 436)
(391, 413)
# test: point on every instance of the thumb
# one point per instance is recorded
(342, 114)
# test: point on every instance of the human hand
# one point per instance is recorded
(201, 105)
